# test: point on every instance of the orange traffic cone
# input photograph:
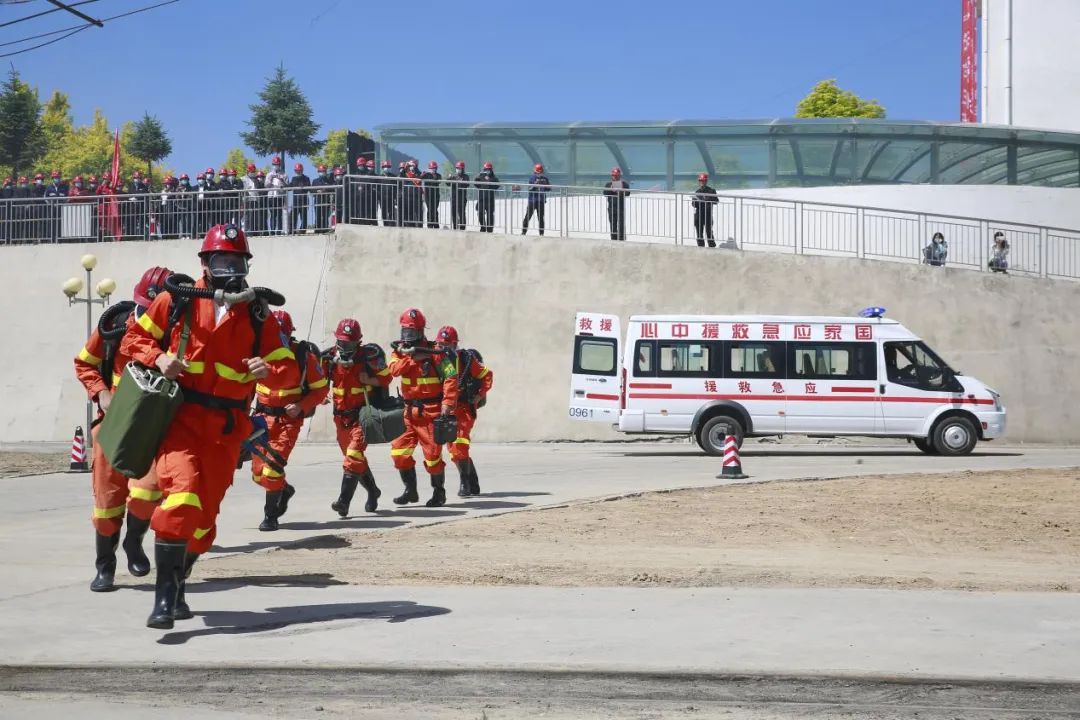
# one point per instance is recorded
(732, 467)
(78, 452)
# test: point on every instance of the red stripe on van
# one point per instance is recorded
(598, 396)
(808, 398)
(853, 389)
(651, 386)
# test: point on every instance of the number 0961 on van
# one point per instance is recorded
(755, 375)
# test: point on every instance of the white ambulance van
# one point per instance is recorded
(749, 376)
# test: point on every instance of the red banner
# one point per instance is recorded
(969, 104)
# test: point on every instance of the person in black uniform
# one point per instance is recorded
(539, 187)
(323, 198)
(185, 207)
(21, 210)
(616, 191)
(432, 179)
(459, 195)
(370, 189)
(6, 194)
(300, 183)
(339, 194)
(53, 198)
(704, 199)
(388, 195)
(361, 208)
(412, 197)
(487, 182)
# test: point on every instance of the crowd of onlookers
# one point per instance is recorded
(936, 253)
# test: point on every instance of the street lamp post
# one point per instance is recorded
(72, 286)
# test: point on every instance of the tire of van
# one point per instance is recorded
(926, 445)
(955, 436)
(711, 434)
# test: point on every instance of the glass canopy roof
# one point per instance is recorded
(749, 153)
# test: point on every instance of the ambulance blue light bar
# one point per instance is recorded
(873, 312)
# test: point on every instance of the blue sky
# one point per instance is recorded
(198, 64)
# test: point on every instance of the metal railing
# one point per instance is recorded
(677, 218)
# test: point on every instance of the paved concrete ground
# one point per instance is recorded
(48, 616)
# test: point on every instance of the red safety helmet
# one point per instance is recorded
(322, 168)
(616, 172)
(460, 164)
(538, 168)
(93, 179)
(136, 174)
(401, 165)
(371, 163)
(225, 238)
(184, 176)
(387, 163)
(433, 165)
(8, 180)
(703, 178)
(23, 180)
(276, 160)
(298, 167)
(150, 285)
(200, 176)
(223, 171)
(339, 170)
(251, 167)
(488, 166)
(55, 174)
(414, 319)
(39, 176)
(348, 330)
(231, 172)
(260, 174)
(209, 171)
(413, 162)
(284, 319)
(77, 178)
(447, 335)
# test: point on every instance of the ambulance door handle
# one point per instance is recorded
(882, 388)
(579, 393)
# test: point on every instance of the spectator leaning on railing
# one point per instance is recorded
(999, 254)
(936, 252)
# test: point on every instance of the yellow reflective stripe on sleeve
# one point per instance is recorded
(483, 373)
(318, 384)
(352, 391)
(87, 357)
(463, 441)
(260, 388)
(143, 494)
(196, 367)
(384, 372)
(151, 327)
(432, 463)
(267, 471)
(184, 498)
(224, 371)
(402, 451)
(200, 533)
(109, 513)
(354, 454)
(282, 353)
(339, 391)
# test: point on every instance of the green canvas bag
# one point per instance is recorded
(143, 406)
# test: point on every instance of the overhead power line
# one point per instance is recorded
(71, 9)
(72, 30)
(44, 12)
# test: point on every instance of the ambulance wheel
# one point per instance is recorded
(925, 445)
(714, 431)
(955, 436)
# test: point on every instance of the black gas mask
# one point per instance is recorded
(411, 336)
(346, 350)
(227, 271)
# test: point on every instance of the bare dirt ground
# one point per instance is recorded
(14, 463)
(971, 531)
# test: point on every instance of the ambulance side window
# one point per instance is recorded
(914, 364)
(594, 356)
(645, 364)
(755, 360)
(679, 358)
(833, 361)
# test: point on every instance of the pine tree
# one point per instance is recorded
(22, 138)
(282, 120)
(149, 142)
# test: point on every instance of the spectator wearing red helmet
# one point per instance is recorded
(300, 184)
(362, 200)
(539, 187)
(226, 349)
(704, 199)
(616, 191)
(98, 367)
(276, 191)
(411, 196)
(254, 206)
(338, 214)
(23, 210)
(53, 195)
(7, 193)
(323, 199)
(388, 194)
(185, 206)
(432, 182)
(487, 183)
(459, 195)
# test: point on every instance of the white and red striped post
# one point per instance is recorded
(732, 466)
(78, 452)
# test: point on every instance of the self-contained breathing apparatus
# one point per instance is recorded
(112, 326)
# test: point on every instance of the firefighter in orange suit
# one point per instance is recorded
(231, 341)
(474, 382)
(98, 367)
(354, 375)
(429, 388)
(285, 409)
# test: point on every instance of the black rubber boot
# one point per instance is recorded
(474, 479)
(408, 477)
(348, 488)
(438, 492)
(464, 489)
(105, 547)
(270, 511)
(138, 563)
(286, 495)
(367, 481)
(169, 560)
(182, 611)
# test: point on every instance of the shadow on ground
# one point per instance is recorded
(245, 622)
(490, 504)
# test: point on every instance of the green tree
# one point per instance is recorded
(149, 142)
(333, 149)
(22, 138)
(828, 100)
(282, 121)
(58, 127)
(237, 160)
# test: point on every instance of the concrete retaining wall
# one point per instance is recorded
(514, 298)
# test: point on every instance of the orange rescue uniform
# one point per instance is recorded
(350, 394)
(113, 492)
(282, 430)
(197, 458)
(427, 384)
(465, 411)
